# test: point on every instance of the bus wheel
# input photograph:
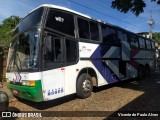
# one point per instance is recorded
(140, 73)
(84, 85)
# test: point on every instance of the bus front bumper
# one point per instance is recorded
(27, 92)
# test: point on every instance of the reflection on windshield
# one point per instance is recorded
(30, 20)
(23, 53)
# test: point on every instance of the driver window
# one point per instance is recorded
(52, 50)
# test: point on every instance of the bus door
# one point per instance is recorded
(53, 62)
(125, 53)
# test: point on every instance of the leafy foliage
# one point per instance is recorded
(6, 29)
(134, 6)
(156, 37)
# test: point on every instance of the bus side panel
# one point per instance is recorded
(131, 71)
(100, 79)
(71, 73)
(86, 52)
(105, 59)
(144, 57)
(53, 84)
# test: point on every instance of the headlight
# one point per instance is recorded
(28, 83)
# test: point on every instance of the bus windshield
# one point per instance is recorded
(23, 53)
(33, 19)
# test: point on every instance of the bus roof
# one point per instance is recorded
(64, 8)
(69, 10)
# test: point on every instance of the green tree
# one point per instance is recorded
(6, 29)
(156, 37)
(134, 6)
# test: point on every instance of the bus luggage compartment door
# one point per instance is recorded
(53, 84)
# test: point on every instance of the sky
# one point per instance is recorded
(97, 9)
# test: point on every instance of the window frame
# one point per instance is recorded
(124, 34)
(117, 43)
(150, 48)
(65, 52)
(129, 38)
(57, 31)
(89, 40)
(54, 63)
(140, 46)
(79, 29)
(63, 63)
(152, 42)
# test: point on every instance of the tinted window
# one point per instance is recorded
(141, 43)
(60, 21)
(133, 41)
(83, 26)
(53, 49)
(94, 31)
(148, 44)
(109, 34)
(122, 36)
(49, 53)
(32, 19)
(71, 51)
(153, 45)
(58, 49)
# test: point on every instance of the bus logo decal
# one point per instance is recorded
(59, 19)
(17, 77)
(55, 91)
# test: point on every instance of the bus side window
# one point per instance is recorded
(52, 51)
(148, 44)
(122, 36)
(58, 49)
(83, 26)
(134, 41)
(153, 45)
(71, 51)
(141, 43)
(61, 21)
(48, 51)
(109, 34)
(94, 31)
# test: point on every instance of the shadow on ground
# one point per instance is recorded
(48, 104)
(52, 103)
(149, 102)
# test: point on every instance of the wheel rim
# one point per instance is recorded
(86, 85)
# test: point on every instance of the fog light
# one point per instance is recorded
(4, 101)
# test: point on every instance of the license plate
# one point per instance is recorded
(15, 92)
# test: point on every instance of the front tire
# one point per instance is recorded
(84, 86)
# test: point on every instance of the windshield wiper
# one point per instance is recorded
(16, 65)
(19, 60)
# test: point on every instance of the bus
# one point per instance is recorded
(57, 52)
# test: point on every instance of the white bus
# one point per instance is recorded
(57, 52)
